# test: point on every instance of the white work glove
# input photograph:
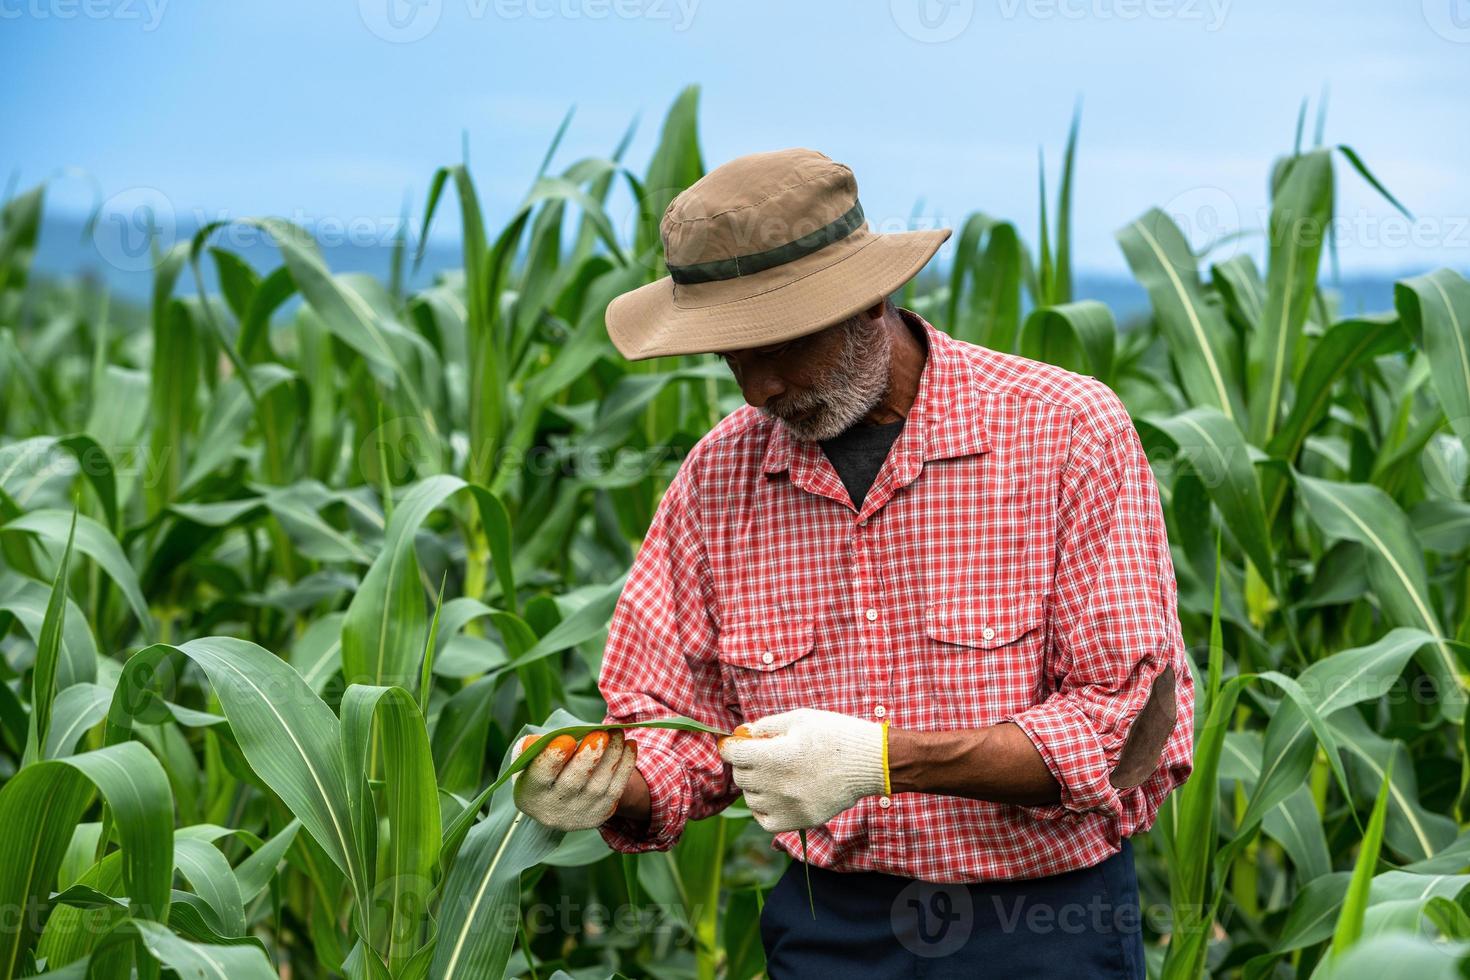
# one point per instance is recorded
(801, 768)
(575, 785)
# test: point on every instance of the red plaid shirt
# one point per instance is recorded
(1010, 563)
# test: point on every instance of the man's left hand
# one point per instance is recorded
(801, 768)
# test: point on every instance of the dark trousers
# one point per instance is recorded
(1079, 925)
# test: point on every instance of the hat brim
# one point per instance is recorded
(664, 318)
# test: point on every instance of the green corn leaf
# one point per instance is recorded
(1398, 954)
(806, 868)
(70, 933)
(298, 509)
(256, 871)
(484, 880)
(1196, 805)
(20, 226)
(1335, 682)
(1062, 288)
(19, 462)
(383, 634)
(274, 289)
(347, 311)
(496, 521)
(1355, 902)
(676, 164)
(288, 735)
(230, 412)
(699, 864)
(431, 646)
(1345, 346)
(43, 803)
(1239, 285)
(77, 708)
(742, 939)
(1436, 310)
(1200, 339)
(1297, 827)
(237, 280)
(1301, 209)
(94, 541)
(1396, 571)
(988, 312)
(587, 622)
(192, 959)
(26, 599)
(212, 879)
(1078, 336)
(1411, 829)
(410, 810)
(1215, 448)
(48, 653)
(172, 408)
(1362, 168)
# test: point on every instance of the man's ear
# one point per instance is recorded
(875, 312)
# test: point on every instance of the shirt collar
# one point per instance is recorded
(943, 422)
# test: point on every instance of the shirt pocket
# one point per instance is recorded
(769, 664)
(986, 653)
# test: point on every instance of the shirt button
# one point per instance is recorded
(872, 615)
(880, 711)
(767, 657)
(885, 802)
(988, 633)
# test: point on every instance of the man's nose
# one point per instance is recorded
(760, 386)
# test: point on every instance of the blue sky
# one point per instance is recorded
(333, 111)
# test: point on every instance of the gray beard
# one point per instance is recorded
(850, 391)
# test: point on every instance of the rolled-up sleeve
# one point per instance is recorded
(660, 661)
(1113, 628)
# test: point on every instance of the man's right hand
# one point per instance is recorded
(575, 785)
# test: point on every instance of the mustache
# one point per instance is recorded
(793, 408)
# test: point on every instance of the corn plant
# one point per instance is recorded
(292, 559)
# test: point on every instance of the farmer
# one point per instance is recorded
(932, 579)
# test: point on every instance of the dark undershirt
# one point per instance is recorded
(858, 452)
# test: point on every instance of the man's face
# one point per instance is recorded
(822, 383)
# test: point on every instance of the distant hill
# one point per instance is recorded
(67, 250)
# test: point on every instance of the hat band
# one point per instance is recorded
(747, 265)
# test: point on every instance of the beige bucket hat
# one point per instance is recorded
(768, 247)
